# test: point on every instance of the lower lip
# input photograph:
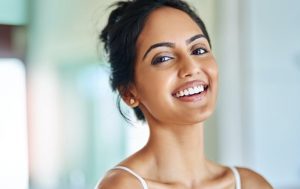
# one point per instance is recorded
(193, 98)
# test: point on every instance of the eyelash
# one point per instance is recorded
(194, 52)
(161, 59)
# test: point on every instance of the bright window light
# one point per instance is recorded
(13, 128)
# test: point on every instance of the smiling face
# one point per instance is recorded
(176, 74)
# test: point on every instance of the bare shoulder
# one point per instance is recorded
(118, 179)
(251, 179)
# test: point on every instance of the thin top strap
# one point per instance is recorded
(145, 186)
(237, 177)
(142, 181)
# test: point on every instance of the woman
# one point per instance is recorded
(163, 67)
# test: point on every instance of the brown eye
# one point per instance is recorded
(199, 51)
(161, 59)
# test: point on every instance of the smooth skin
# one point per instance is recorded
(173, 157)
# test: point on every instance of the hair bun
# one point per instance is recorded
(114, 17)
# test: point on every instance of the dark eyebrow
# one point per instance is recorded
(163, 44)
(188, 41)
(172, 45)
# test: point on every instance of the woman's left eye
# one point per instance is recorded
(199, 51)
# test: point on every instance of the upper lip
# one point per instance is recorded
(190, 84)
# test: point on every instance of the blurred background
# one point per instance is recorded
(59, 125)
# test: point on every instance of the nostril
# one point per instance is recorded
(189, 72)
(188, 68)
(189, 75)
(192, 73)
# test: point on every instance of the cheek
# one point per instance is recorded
(212, 70)
(215, 71)
(154, 89)
(214, 76)
(150, 83)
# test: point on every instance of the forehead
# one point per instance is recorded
(168, 24)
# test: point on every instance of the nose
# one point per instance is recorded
(188, 67)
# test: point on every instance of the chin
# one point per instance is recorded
(205, 116)
(193, 119)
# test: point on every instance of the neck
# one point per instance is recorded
(177, 152)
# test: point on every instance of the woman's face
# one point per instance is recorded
(175, 72)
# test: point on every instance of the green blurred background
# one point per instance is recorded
(59, 125)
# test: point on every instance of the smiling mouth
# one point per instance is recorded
(191, 91)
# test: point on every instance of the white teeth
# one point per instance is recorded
(201, 88)
(196, 89)
(190, 91)
(181, 93)
(186, 92)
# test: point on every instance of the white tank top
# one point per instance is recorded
(145, 186)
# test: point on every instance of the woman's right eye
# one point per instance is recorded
(160, 59)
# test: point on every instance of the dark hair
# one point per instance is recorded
(120, 35)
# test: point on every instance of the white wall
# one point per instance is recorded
(275, 89)
(259, 119)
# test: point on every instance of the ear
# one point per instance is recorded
(129, 95)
